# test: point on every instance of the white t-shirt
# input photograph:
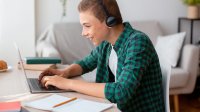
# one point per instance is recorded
(113, 62)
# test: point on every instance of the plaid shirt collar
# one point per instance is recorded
(122, 38)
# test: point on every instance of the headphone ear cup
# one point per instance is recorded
(111, 21)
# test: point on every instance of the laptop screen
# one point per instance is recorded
(20, 58)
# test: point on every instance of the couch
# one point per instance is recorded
(64, 40)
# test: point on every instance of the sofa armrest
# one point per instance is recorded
(189, 63)
(190, 58)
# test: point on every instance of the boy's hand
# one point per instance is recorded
(50, 72)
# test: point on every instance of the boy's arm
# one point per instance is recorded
(73, 70)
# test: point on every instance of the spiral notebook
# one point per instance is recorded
(79, 105)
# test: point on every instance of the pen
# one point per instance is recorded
(72, 99)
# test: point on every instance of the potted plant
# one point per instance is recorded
(193, 8)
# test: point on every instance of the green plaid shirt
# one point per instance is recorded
(139, 80)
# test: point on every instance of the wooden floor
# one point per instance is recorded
(187, 103)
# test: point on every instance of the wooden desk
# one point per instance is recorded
(13, 87)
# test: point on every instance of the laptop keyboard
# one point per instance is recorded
(36, 86)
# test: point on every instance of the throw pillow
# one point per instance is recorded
(169, 47)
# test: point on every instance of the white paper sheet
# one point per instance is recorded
(78, 105)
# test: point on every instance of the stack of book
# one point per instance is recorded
(40, 63)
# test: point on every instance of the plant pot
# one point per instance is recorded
(193, 12)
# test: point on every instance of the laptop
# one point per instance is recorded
(33, 83)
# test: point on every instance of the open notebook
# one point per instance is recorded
(78, 105)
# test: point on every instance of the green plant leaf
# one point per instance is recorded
(191, 2)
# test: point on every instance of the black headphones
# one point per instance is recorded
(110, 20)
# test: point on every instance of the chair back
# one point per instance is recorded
(166, 72)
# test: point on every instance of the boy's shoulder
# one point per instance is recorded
(139, 36)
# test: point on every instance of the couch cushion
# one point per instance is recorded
(151, 28)
(179, 78)
(69, 42)
(170, 47)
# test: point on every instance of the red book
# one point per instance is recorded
(10, 106)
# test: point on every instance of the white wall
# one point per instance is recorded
(18, 24)
(50, 11)
(165, 11)
(0, 19)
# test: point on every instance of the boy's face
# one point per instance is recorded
(93, 29)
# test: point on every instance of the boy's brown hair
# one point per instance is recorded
(95, 7)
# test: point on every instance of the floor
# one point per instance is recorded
(187, 103)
